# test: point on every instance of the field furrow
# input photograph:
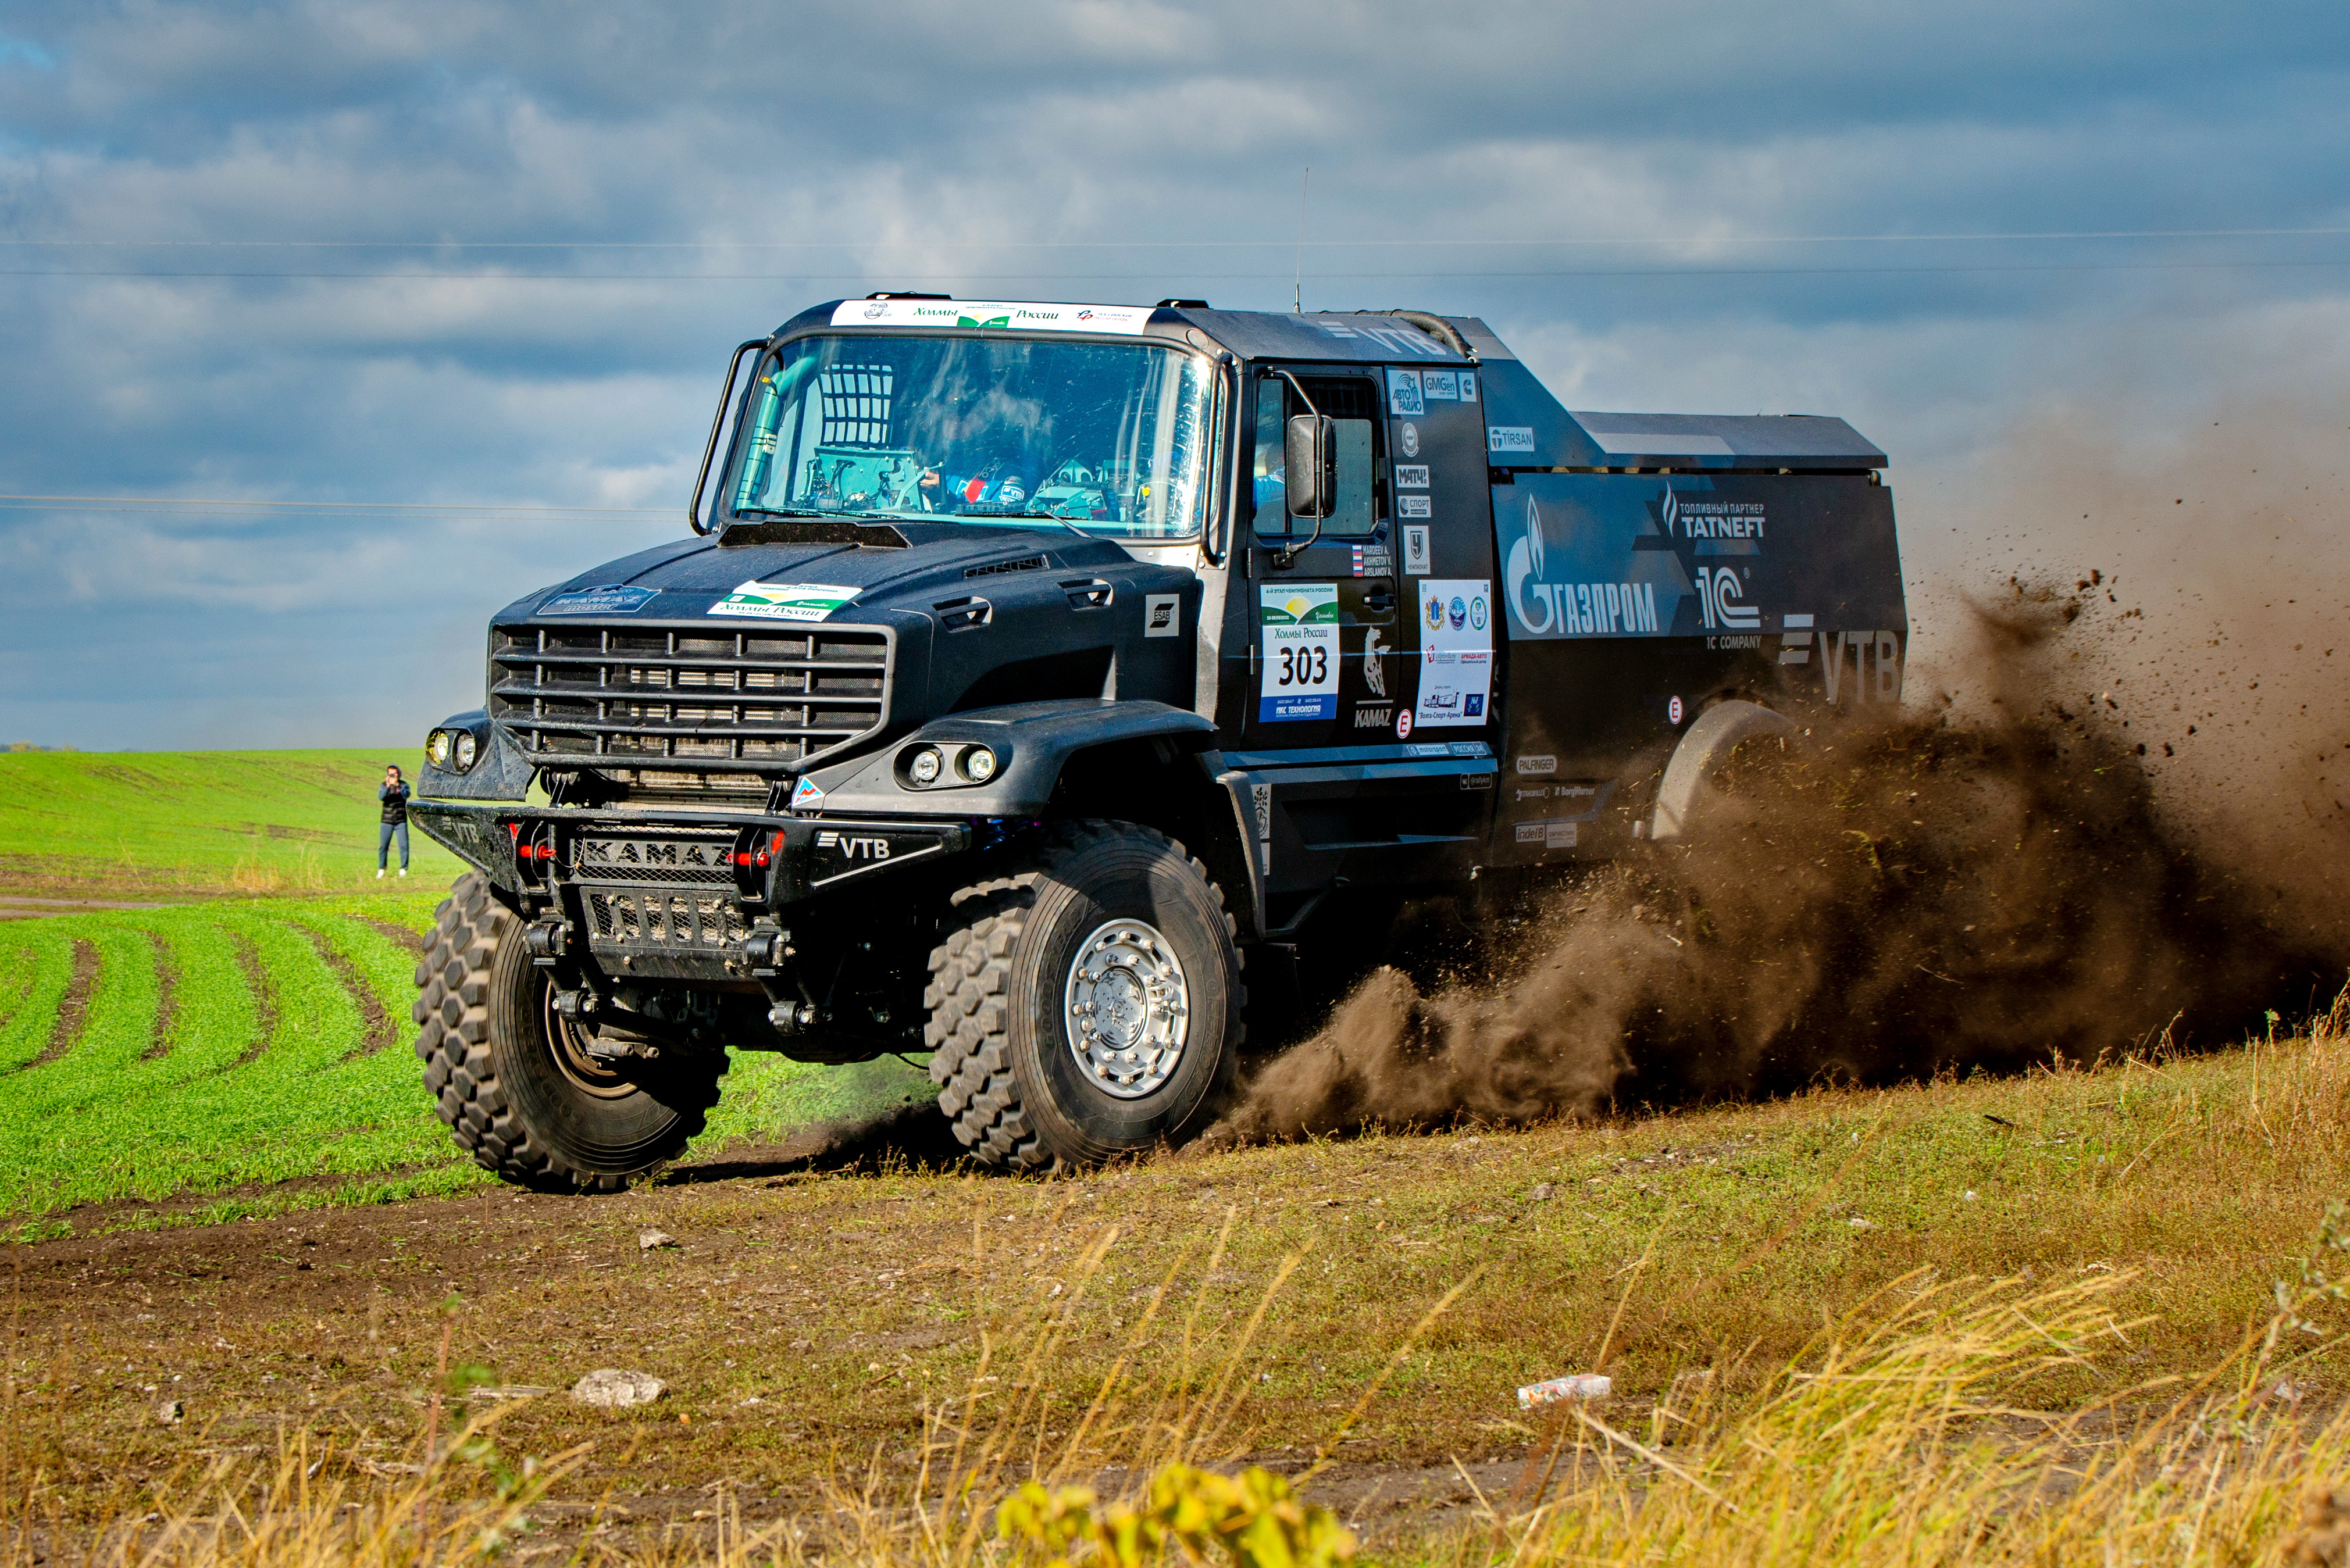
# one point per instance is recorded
(41, 954)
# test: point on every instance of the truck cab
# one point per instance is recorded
(1029, 672)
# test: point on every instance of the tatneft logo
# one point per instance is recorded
(1710, 519)
(1596, 609)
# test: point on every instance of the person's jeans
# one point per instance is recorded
(383, 844)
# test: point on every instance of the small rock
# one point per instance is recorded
(646, 1241)
(1970, 1196)
(1857, 1223)
(170, 1412)
(609, 1388)
(1541, 1193)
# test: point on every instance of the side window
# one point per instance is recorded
(1352, 403)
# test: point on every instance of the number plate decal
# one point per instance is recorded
(1300, 624)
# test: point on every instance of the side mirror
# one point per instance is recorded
(1312, 466)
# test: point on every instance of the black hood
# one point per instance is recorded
(897, 564)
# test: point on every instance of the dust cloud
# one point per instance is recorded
(2110, 812)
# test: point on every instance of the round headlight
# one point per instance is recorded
(464, 750)
(924, 767)
(436, 748)
(979, 765)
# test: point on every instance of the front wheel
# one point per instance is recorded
(516, 1083)
(1086, 1005)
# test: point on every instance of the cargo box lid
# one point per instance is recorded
(1525, 426)
(1725, 440)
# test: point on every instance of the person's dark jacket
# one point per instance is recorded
(395, 802)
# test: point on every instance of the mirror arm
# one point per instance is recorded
(717, 422)
(1286, 556)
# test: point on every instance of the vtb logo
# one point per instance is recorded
(853, 849)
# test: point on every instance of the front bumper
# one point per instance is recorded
(758, 864)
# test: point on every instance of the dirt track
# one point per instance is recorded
(807, 1313)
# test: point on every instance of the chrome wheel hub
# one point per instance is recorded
(1128, 1007)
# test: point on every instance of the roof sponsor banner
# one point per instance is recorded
(993, 315)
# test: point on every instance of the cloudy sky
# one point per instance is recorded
(429, 299)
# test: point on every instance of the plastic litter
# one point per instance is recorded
(1583, 1386)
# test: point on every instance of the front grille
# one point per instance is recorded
(671, 857)
(718, 700)
(650, 918)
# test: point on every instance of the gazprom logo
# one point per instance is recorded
(1525, 561)
(1587, 609)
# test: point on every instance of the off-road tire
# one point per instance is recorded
(1007, 1078)
(489, 1064)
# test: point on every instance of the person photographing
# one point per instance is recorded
(393, 793)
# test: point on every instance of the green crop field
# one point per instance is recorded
(254, 1056)
(135, 823)
(244, 1054)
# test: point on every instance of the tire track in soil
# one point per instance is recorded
(264, 999)
(400, 935)
(377, 1030)
(167, 998)
(72, 1013)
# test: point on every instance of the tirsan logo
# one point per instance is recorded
(853, 849)
(1597, 609)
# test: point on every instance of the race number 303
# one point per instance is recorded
(1300, 671)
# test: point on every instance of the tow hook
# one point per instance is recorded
(547, 941)
(765, 950)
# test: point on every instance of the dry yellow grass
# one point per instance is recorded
(2123, 1350)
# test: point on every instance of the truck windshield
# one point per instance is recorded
(1109, 438)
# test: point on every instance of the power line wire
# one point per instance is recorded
(867, 276)
(1191, 244)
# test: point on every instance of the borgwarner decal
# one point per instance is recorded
(997, 316)
(785, 601)
(612, 599)
(1456, 650)
(1300, 622)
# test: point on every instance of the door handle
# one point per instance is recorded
(1380, 598)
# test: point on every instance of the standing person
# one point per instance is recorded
(394, 795)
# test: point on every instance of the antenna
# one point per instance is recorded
(1297, 299)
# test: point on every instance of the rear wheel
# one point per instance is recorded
(1086, 1005)
(516, 1083)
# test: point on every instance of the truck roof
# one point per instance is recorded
(1526, 426)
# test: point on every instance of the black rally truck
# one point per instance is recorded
(1030, 668)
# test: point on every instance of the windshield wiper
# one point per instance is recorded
(788, 512)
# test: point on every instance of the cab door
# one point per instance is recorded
(1340, 787)
(1323, 604)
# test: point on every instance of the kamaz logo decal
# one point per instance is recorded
(853, 849)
